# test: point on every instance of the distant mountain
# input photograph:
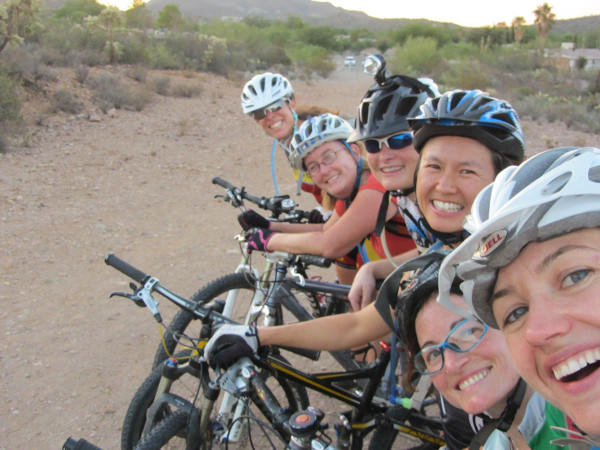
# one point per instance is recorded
(314, 13)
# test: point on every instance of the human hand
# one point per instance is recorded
(258, 239)
(230, 343)
(251, 219)
(363, 288)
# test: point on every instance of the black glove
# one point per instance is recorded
(251, 219)
(316, 217)
(230, 343)
(257, 239)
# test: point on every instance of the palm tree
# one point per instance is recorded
(517, 25)
(544, 18)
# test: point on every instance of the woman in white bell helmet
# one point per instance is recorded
(532, 269)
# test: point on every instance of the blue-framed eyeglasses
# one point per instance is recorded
(461, 339)
(395, 142)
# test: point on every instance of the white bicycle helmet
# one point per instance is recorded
(549, 195)
(314, 132)
(265, 89)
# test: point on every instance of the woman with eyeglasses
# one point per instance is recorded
(320, 147)
(469, 363)
(531, 270)
(464, 138)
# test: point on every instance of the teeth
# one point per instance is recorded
(447, 206)
(576, 363)
(474, 379)
(276, 125)
(390, 169)
(332, 179)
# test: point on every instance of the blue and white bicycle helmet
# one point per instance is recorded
(549, 195)
(474, 114)
(314, 132)
(265, 89)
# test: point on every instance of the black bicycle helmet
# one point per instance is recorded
(387, 104)
(474, 114)
(406, 290)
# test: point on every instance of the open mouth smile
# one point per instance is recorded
(447, 207)
(474, 379)
(578, 366)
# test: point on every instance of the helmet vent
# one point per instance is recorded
(594, 174)
(557, 184)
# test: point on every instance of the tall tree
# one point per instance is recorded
(544, 19)
(108, 20)
(170, 17)
(17, 17)
(517, 24)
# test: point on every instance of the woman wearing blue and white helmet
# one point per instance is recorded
(320, 147)
(532, 269)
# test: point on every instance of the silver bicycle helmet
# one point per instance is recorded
(314, 132)
(265, 89)
(549, 195)
(474, 114)
(385, 108)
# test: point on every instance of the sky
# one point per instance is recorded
(469, 13)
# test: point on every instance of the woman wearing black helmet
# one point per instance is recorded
(464, 139)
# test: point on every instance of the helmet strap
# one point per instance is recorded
(504, 422)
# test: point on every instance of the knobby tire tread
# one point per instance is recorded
(163, 432)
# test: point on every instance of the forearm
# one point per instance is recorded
(337, 332)
(295, 227)
(316, 243)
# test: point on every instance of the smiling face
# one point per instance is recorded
(394, 169)
(452, 171)
(279, 124)
(552, 322)
(338, 177)
(476, 381)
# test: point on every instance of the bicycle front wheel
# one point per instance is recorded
(188, 387)
(241, 286)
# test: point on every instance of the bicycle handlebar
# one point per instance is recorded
(315, 260)
(125, 268)
(278, 204)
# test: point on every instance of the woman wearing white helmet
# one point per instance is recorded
(532, 269)
(320, 147)
(269, 99)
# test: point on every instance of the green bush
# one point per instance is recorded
(311, 58)
(81, 73)
(10, 101)
(65, 101)
(186, 90)
(162, 85)
(418, 56)
(110, 92)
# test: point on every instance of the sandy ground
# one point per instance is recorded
(137, 184)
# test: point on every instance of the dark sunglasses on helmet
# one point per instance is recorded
(396, 142)
(260, 114)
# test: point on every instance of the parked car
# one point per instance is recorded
(349, 61)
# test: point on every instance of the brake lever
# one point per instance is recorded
(131, 297)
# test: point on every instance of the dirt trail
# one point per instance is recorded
(137, 185)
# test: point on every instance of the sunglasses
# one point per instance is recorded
(395, 142)
(260, 114)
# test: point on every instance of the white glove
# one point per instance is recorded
(230, 343)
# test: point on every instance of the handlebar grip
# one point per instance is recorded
(315, 260)
(125, 268)
(221, 182)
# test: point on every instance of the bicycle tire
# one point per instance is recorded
(296, 399)
(384, 437)
(215, 289)
(168, 428)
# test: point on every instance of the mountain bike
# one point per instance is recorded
(270, 295)
(270, 401)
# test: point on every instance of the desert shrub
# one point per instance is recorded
(65, 101)
(186, 90)
(465, 74)
(162, 58)
(311, 58)
(26, 63)
(110, 92)
(10, 101)
(81, 73)
(162, 85)
(138, 73)
(418, 56)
